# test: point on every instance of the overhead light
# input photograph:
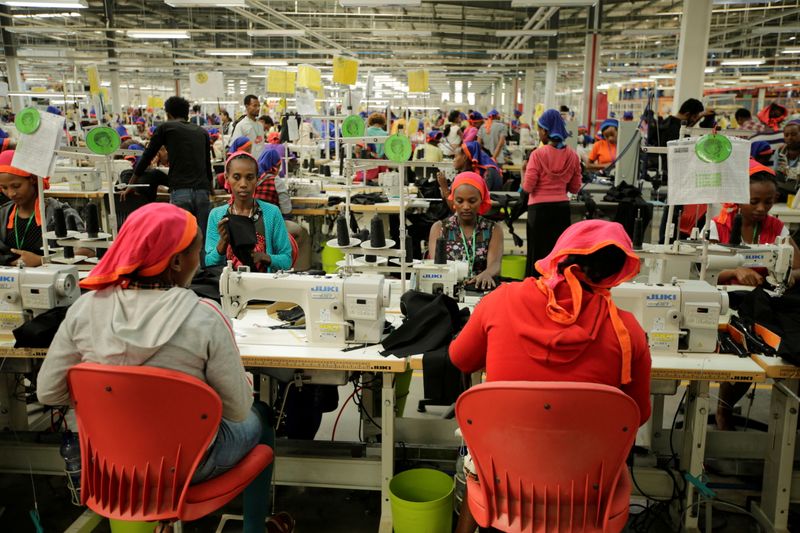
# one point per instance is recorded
(269, 62)
(380, 3)
(710, 70)
(205, 3)
(406, 33)
(650, 32)
(191, 61)
(720, 50)
(276, 33)
(38, 29)
(509, 51)
(786, 28)
(526, 33)
(754, 77)
(34, 94)
(313, 51)
(727, 82)
(640, 80)
(791, 50)
(662, 76)
(744, 62)
(157, 34)
(46, 4)
(552, 3)
(229, 52)
(65, 14)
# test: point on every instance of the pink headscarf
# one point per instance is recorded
(230, 158)
(474, 179)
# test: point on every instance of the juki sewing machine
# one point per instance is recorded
(447, 278)
(679, 316)
(338, 310)
(78, 178)
(26, 292)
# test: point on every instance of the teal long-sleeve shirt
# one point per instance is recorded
(279, 247)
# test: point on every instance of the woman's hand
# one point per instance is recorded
(262, 257)
(29, 258)
(483, 281)
(224, 238)
(748, 276)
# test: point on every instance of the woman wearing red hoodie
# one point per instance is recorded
(562, 326)
(552, 170)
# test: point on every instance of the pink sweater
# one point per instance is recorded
(550, 173)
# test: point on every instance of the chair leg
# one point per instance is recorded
(177, 527)
(224, 519)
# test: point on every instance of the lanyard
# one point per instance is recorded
(756, 233)
(470, 258)
(16, 226)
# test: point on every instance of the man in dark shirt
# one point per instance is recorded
(189, 149)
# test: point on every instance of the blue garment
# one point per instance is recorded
(279, 247)
(234, 440)
(237, 144)
(552, 122)
(375, 131)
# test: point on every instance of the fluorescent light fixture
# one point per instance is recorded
(727, 82)
(38, 29)
(743, 62)
(229, 52)
(46, 95)
(509, 51)
(380, 3)
(640, 80)
(552, 3)
(791, 50)
(157, 34)
(276, 33)
(190, 61)
(720, 50)
(662, 76)
(313, 51)
(406, 33)
(786, 28)
(269, 62)
(34, 79)
(65, 14)
(710, 70)
(205, 3)
(47, 4)
(650, 32)
(526, 33)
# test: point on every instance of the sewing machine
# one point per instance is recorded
(29, 292)
(338, 310)
(679, 316)
(79, 178)
(435, 278)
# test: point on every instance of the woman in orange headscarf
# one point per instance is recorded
(562, 326)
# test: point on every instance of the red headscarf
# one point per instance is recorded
(474, 179)
(584, 238)
(148, 239)
(274, 137)
(6, 168)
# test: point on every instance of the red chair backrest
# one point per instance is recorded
(143, 431)
(546, 453)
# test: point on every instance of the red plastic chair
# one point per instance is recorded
(550, 456)
(143, 431)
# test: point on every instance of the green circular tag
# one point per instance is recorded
(398, 148)
(103, 140)
(27, 120)
(713, 148)
(353, 126)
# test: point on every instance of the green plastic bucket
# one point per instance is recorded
(513, 266)
(402, 385)
(329, 258)
(422, 501)
(128, 526)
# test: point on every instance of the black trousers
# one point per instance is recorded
(546, 223)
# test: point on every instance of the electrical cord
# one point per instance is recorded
(341, 410)
(738, 508)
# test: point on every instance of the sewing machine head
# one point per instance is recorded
(29, 292)
(338, 309)
(447, 278)
(679, 316)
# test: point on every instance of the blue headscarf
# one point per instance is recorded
(758, 148)
(3, 135)
(134, 159)
(480, 159)
(269, 161)
(608, 123)
(493, 113)
(123, 133)
(627, 115)
(553, 123)
(54, 110)
(239, 144)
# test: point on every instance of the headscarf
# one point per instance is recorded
(122, 132)
(758, 148)
(729, 210)
(517, 113)
(584, 238)
(230, 158)
(6, 168)
(132, 158)
(475, 117)
(240, 144)
(434, 135)
(138, 120)
(627, 115)
(608, 123)
(269, 162)
(150, 236)
(480, 159)
(474, 179)
(54, 110)
(213, 134)
(487, 125)
(273, 137)
(773, 122)
(553, 123)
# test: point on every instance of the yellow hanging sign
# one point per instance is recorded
(418, 81)
(280, 81)
(309, 77)
(538, 112)
(345, 70)
(94, 80)
(613, 95)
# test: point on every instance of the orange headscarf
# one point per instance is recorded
(148, 239)
(474, 179)
(584, 238)
(7, 168)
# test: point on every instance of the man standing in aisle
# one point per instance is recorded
(189, 148)
(248, 126)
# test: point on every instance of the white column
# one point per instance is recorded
(761, 102)
(511, 97)
(550, 75)
(15, 84)
(692, 51)
(116, 101)
(528, 102)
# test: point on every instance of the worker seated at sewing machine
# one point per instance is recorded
(21, 221)
(247, 231)
(469, 236)
(754, 226)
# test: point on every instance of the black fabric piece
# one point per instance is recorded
(510, 208)
(630, 203)
(371, 198)
(441, 379)
(779, 315)
(39, 332)
(206, 283)
(242, 233)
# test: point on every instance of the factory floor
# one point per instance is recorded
(346, 511)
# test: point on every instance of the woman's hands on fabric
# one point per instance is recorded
(748, 276)
(224, 238)
(29, 258)
(262, 257)
(482, 281)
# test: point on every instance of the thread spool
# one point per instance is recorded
(69, 252)
(440, 258)
(363, 235)
(736, 231)
(60, 222)
(409, 250)
(305, 163)
(92, 221)
(370, 258)
(377, 237)
(71, 225)
(342, 234)
(311, 163)
(638, 230)
(326, 171)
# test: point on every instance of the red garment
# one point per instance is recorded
(550, 173)
(265, 190)
(770, 229)
(511, 336)
(773, 123)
